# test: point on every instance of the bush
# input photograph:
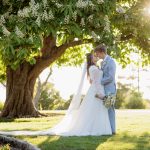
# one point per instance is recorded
(129, 98)
(135, 101)
(122, 93)
(50, 99)
(1, 106)
(147, 103)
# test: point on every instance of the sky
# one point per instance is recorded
(66, 80)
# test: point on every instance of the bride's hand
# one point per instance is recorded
(90, 81)
(99, 96)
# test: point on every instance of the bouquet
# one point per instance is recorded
(109, 100)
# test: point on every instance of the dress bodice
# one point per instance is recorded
(96, 76)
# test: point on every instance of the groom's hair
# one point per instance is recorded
(101, 48)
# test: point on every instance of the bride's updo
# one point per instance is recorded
(89, 59)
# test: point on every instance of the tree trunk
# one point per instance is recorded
(20, 82)
(19, 93)
(16, 144)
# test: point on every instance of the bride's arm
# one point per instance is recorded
(94, 73)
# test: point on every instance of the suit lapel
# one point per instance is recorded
(105, 62)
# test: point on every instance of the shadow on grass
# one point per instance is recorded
(117, 142)
(141, 142)
(19, 120)
(6, 119)
(72, 143)
(15, 120)
(24, 129)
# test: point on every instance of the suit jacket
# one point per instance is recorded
(109, 70)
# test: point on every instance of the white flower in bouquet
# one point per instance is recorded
(109, 100)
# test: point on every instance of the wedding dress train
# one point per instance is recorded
(91, 117)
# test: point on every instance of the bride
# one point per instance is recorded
(86, 117)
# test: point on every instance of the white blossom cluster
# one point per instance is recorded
(54, 1)
(82, 23)
(74, 16)
(24, 13)
(100, 1)
(5, 31)
(38, 21)
(6, 2)
(32, 3)
(120, 10)
(31, 38)
(34, 8)
(94, 36)
(118, 37)
(2, 20)
(18, 32)
(44, 3)
(6, 15)
(81, 4)
(66, 20)
(97, 25)
(90, 18)
(58, 5)
(51, 16)
(47, 16)
(107, 24)
(91, 5)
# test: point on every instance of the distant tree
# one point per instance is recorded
(129, 98)
(135, 101)
(49, 97)
(39, 88)
(122, 92)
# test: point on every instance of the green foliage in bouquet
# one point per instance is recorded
(109, 100)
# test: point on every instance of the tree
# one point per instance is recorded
(34, 34)
(50, 98)
(129, 98)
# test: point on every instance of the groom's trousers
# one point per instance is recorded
(111, 113)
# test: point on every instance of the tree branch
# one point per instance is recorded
(127, 37)
(54, 53)
(4, 84)
(61, 49)
(70, 44)
(49, 74)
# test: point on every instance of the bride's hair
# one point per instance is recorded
(89, 59)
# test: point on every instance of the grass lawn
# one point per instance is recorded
(133, 133)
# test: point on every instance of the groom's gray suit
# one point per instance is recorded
(109, 69)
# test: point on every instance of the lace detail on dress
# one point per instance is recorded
(96, 76)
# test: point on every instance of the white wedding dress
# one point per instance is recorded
(91, 117)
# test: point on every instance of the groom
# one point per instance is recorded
(109, 69)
